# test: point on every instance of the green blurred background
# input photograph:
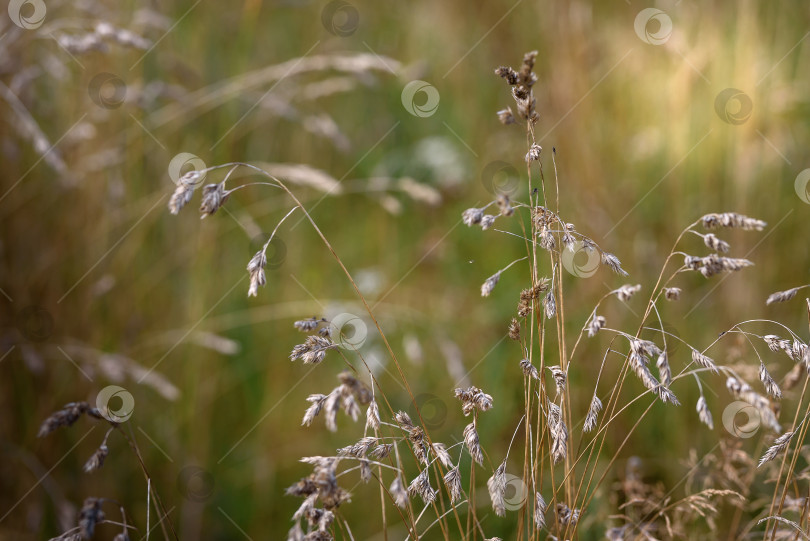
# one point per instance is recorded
(101, 283)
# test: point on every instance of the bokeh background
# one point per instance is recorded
(101, 285)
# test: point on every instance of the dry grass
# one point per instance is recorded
(551, 454)
(557, 450)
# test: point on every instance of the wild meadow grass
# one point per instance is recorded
(563, 301)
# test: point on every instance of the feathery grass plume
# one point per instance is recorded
(559, 378)
(534, 153)
(626, 292)
(666, 395)
(487, 221)
(528, 296)
(90, 515)
(714, 264)
(567, 516)
(506, 116)
(348, 402)
(529, 369)
(496, 485)
(613, 263)
(704, 414)
(509, 74)
(184, 190)
(255, 268)
(672, 293)
(473, 398)
(593, 414)
(383, 450)
(596, 324)
(712, 242)
(317, 402)
(416, 437)
(514, 329)
(96, 460)
(775, 343)
(308, 325)
(472, 216)
(558, 432)
(397, 490)
(798, 352)
(505, 205)
(740, 389)
(789, 534)
(638, 358)
(355, 387)
(214, 196)
(346, 395)
(782, 296)
(547, 240)
(732, 219)
(359, 449)
(421, 486)
(404, 420)
(440, 452)
(770, 385)
(472, 443)
(528, 78)
(69, 414)
(539, 511)
(452, 480)
(569, 241)
(521, 84)
(331, 407)
(365, 470)
(373, 416)
(704, 361)
(664, 371)
(550, 305)
(490, 284)
(701, 503)
(640, 351)
(323, 481)
(779, 445)
(313, 350)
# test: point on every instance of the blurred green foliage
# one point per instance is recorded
(640, 151)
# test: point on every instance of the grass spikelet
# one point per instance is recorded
(704, 414)
(539, 511)
(397, 490)
(782, 296)
(558, 432)
(626, 292)
(770, 385)
(593, 414)
(496, 486)
(473, 444)
(452, 481)
(489, 284)
(702, 360)
(421, 486)
(596, 324)
(779, 445)
(732, 220)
